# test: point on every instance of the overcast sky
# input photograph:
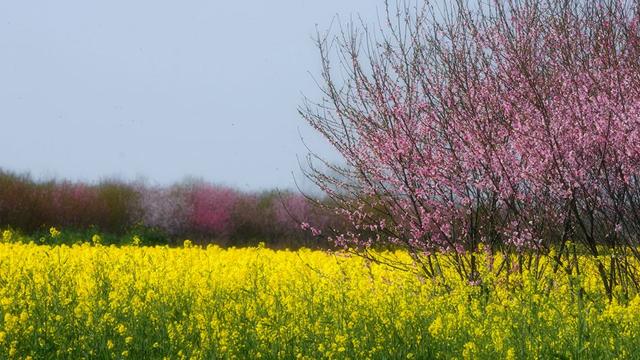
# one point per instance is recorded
(161, 89)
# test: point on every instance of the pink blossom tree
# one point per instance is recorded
(164, 208)
(71, 204)
(510, 124)
(297, 216)
(211, 209)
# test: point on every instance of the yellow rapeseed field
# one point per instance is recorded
(94, 301)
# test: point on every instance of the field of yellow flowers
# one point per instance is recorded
(95, 301)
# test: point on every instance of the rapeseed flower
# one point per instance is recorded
(211, 302)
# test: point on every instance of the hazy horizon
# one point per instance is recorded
(162, 90)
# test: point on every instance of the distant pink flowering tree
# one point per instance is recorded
(291, 211)
(71, 204)
(164, 208)
(510, 124)
(211, 209)
(297, 215)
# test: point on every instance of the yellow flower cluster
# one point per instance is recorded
(137, 302)
(55, 233)
(7, 235)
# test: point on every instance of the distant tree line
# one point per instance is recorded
(200, 211)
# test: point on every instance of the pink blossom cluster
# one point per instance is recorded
(211, 209)
(293, 211)
(164, 208)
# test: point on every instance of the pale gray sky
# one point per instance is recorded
(161, 89)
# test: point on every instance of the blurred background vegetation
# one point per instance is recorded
(197, 210)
